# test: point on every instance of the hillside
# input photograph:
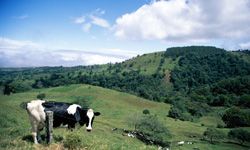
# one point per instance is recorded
(116, 108)
(192, 78)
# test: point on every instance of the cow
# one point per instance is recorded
(64, 114)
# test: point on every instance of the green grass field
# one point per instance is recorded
(116, 108)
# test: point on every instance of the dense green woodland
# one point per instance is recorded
(193, 79)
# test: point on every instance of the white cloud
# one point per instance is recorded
(186, 20)
(245, 45)
(79, 20)
(98, 12)
(94, 18)
(10, 44)
(14, 53)
(86, 27)
(99, 21)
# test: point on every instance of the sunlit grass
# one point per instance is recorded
(115, 107)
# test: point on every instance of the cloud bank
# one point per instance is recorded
(15, 53)
(187, 21)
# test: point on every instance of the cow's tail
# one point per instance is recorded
(23, 105)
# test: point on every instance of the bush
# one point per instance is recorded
(236, 117)
(245, 100)
(146, 111)
(213, 134)
(174, 113)
(239, 135)
(220, 126)
(72, 141)
(41, 96)
(153, 131)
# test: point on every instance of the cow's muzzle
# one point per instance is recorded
(89, 130)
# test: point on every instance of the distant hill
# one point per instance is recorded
(183, 76)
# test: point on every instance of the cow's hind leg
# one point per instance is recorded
(34, 131)
(39, 139)
(39, 129)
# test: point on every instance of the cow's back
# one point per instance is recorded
(60, 112)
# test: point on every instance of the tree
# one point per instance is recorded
(245, 100)
(213, 134)
(174, 112)
(133, 121)
(7, 89)
(239, 135)
(152, 130)
(236, 117)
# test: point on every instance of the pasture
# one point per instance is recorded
(116, 110)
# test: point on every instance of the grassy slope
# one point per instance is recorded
(148, 63)
(116, 108)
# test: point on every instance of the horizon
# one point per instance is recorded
(81, 33)
(28, 67)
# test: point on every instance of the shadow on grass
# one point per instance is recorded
(29, 138)
(243, 145)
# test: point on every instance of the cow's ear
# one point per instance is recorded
(78, 114)
(97, 113)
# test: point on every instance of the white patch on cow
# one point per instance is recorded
(90, 114)
(72, 109)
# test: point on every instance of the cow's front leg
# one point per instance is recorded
(71, 126)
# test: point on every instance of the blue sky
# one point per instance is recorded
(86, 32)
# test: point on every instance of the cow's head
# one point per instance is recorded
(87, 117)
(91, 116)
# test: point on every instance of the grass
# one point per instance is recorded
(115, 107)
(148, 63)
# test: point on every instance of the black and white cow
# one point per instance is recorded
(64, 114)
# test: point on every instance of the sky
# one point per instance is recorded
(87, 32)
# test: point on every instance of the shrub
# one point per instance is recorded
(236, 117)
(220, 126)
(153, 131)
(213, 134)
(239, 135)
(245, 100)
(72, 141)
(146, 111)
(41, 96)
(174, 113)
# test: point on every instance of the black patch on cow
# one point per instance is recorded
(61, 115)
